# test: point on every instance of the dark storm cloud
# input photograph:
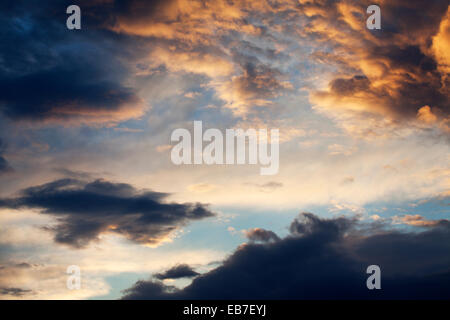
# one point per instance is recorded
(64, 93)
(50, 73)
(84, 211)
(177, 272)
(324, 259)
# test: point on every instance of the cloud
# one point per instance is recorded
(68, 94)
(324, 259)
(268, 187)
(52, 74)
(257, 86)
(177, 272)
(4, 165)
(84, 211)
(179, 19)
(201, 187)
(15, 292)
(47, 281)
(44, 272)
(228, 52)
(245, 50)
(441, 46)
(259, 234)
(385, 76)
(419, 221)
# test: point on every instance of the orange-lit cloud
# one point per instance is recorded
(384, 76)
(419, 221)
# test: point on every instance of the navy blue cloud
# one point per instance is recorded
(324, 259)
(86, 210)
(48, 72)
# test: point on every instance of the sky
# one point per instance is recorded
(86, 176)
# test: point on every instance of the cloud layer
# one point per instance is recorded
(324, 259)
